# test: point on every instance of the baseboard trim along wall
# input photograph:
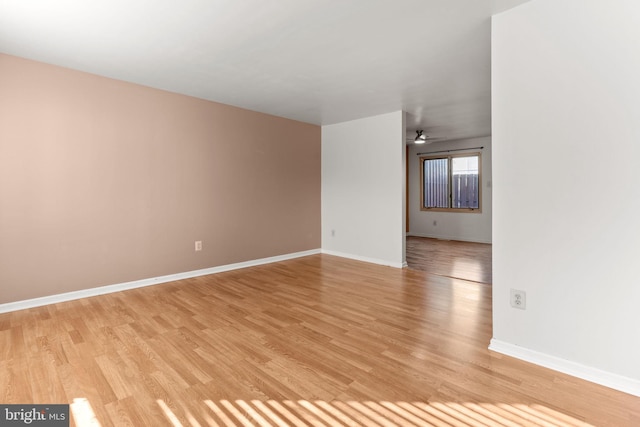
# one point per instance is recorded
(85, 293)
(366, 259)
(607, 379)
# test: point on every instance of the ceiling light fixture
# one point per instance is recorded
(420, 138)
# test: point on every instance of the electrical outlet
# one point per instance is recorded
(435, 223)
(333, 233)
(198, 245)
(518, 299)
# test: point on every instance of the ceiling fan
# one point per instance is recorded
(421, 138)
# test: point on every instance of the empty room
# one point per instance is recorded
(314, 213)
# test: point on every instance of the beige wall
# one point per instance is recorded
(104, 182)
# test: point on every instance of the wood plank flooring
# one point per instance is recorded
(450, 258)
(318, 341)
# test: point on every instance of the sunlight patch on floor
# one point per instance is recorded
(83, 413)
(226, 413)
(301, 413)
(467, 268)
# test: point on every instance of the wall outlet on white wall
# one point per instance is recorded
(198, 245)
(333, 233)
(435, 223)
(518, 299)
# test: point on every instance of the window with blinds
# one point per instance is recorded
(450, 183)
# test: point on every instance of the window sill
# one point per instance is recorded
(456, 210)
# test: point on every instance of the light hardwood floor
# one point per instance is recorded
(319, 341)
(450, 258)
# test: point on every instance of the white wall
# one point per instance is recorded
(363, 189)
(566, 219)
(464, 226)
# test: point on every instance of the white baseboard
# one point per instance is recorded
(607, 379)
(444, 237)
(84, 293)
(365, 259)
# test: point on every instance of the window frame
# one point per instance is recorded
(449, 158)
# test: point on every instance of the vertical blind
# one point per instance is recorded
(436, 183)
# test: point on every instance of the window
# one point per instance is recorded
(450, 183)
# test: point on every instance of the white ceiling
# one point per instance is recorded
(317, 61)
